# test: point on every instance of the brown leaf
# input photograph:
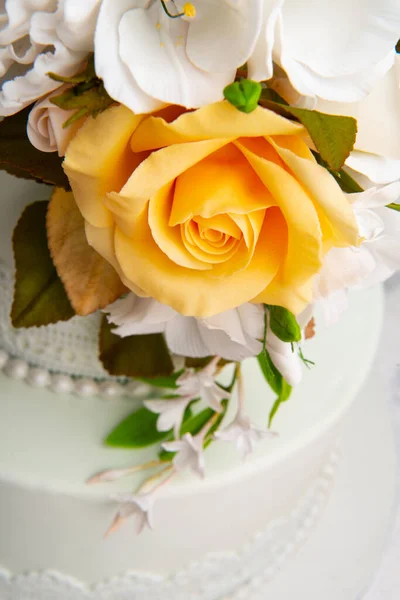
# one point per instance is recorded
(90, 282)
(309, 331)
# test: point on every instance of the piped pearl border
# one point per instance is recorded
(38, 377)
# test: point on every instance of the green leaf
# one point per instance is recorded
(283, 324)
(193, 425)
(137, 431)
(142, 356)
(394, 206)
(18, 157)
(39, 297)
(275, 380)
(334, 136)
(244, 94)
(163, 382)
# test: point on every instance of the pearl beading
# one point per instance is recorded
(21, 370)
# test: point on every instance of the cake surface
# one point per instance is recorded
(52, 521)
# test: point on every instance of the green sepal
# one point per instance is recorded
(244, 94)
(276, 381)
(334, 136)
(39, 295)
(140, 356)
(21, 159)
(139, 430)
(394, 206)
(283, 324)
(86, 96)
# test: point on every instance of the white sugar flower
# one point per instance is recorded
(233, 335)
(45, 126)
(377, 257)
(147, 58)
(134, 505)
(201, 384)
(170, 412)
(41, 37)
(332, 50)
(243, 434)
(189, 452)
(191, 385)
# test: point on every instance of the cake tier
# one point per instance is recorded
(210, 536)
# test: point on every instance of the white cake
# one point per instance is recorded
(211, 537)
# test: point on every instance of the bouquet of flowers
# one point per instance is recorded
(220, 167)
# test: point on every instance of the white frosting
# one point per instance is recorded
(50, 444)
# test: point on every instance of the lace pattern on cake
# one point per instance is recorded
(62, 357)
(240, 575)
(69, 347)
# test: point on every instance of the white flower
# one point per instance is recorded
(45, 126)
(233, 335)
(39, 37)
(333, 50)
(201, 384)
(134, 505)
(147, 58)
(171, 412)
(191, 385)
(377, 149)
(377, 257)
(243, 434)
(190, 453)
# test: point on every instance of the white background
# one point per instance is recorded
(386, 584)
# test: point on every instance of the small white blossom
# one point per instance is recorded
(201, 384)
(244, 434)
(134, 505)
(171, 412)
(190, 453)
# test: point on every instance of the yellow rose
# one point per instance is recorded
(210, 209)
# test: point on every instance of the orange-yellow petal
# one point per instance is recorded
(99, 160)
(215, 121)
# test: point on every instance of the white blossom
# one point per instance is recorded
(38, 37)
(243, 434)
(201, 384)
(192, 385)
(147, 58)
(189, 453)
(170, 412)
(134, 505)
(234, 334)
(332, 50)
